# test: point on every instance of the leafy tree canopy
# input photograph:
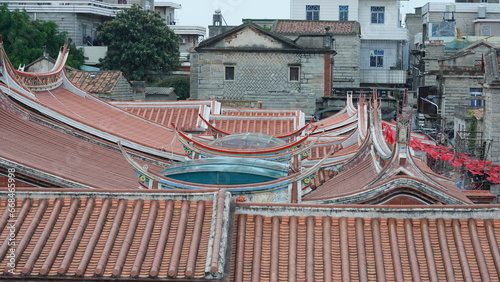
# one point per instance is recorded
(139, 44)
(24, 39)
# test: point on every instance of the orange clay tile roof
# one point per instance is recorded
(184, 117)
(360, 175)
(95, 81)
(319, 151)
(107, 118)
(181, 235)
(98, 235)
(264, 125)
(328, 243)
(346, 182)
(315, 27)
(332, 121)
(480, 196)
(64, 155)
(260, 112)
(272, 122)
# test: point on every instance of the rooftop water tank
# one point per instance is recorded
(481, 12)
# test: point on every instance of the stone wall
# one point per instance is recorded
(491, 122)
(456, 92)
(346, 61)
(259, 76)
(121, 92)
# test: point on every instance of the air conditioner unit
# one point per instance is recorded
(182, 41)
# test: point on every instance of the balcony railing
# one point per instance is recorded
(471, 143)
(90, 7)
(383, 76)
(356, 91)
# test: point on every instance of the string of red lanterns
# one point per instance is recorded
(439, 152)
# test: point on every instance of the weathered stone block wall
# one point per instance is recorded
(491, 122)
(312, 74)
(248, 104)
(254, 72)
(346, 61)
(456, 92)
(121, 92)
(258, 76)
(305, 102)
(123, 89)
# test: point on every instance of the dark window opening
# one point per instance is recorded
(294, 73)
(229, 74)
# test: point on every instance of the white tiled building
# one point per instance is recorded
(190, 36)
(384, 43)
(80, 20)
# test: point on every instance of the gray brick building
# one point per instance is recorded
(492, 104)
(459, 81)
(250, 62)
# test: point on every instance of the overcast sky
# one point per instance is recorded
(199, 12)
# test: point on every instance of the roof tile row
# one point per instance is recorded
(113, 236)
(307, 248)
(45, 149)
(184, 235)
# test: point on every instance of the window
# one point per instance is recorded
(476, 92)
(377, 58)
(377, 14)
(122, 1)
(312, 12)
(486, 30)
(445, 29)
(343, 13)
(293, 73)
(229, 73)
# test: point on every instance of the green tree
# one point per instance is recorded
(140, 44)
(24, 38)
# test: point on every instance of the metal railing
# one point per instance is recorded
(471, 143)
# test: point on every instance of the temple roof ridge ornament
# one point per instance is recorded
(379, 142)
(362, 118)
(37, 81)
(401, 161)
